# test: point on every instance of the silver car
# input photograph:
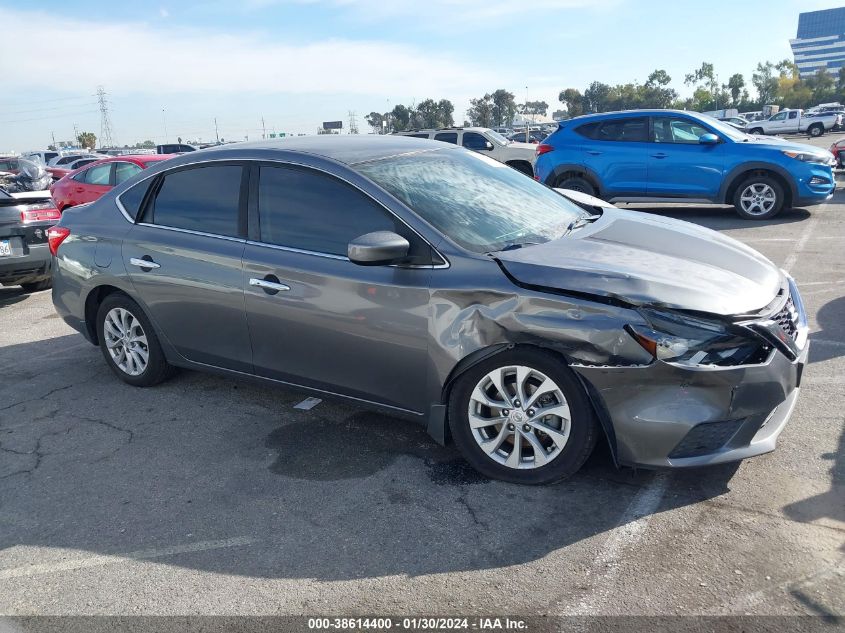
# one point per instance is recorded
(438, 284)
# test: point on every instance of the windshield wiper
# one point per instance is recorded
(577, 223)
(512, 246)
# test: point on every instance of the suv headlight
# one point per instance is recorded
(685, 340)
(810, 157)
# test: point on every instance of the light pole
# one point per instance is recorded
(164, 120)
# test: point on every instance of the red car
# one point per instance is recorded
(835, 149)
(92, 181)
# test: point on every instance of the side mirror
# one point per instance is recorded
(488, 146)
(708, 139)
(378, 248)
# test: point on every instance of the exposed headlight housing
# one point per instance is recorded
(811, 157)
(685, 340)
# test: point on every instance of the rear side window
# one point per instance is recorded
(312, 211)
(630, 130)
(124, 171)
(204, 199)
(588, 130)
(447, 137)
(99, 175)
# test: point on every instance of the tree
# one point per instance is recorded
(705, 79)
(656, 92)
(765, 82)
(400, 116)
(504, 107)
(597, 97)
(573, 100)
(87, 139)
(445, 113)
(427, 111)
(480, 111)
(534, 107)
(374, 120)
(735, 86)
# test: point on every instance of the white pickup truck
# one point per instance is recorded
(795, 121)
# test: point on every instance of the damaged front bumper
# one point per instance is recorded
(671, 415)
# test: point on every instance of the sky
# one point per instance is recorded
(171, 68)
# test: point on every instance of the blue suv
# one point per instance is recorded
(663, 155)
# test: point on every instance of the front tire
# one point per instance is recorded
(757, 131)
(759, 198)
(129, 342)
(522, 417)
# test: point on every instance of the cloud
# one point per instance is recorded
(164, 12)
(167, 60)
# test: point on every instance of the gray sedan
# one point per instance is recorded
(435, 283)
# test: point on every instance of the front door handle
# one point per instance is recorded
(661, 155)
(146, 264)
(593, 152)
(270, 284)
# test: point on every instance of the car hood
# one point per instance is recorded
(645, 259)
(780, 144)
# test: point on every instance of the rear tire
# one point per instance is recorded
(816, 130)
(522, 167)
(552, 446)
(37, 286)
(577, 183)
(757, 131)
(129, 342)
(759, 198)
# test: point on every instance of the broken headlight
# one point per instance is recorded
(685, 340)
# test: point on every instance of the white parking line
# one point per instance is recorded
(114, 559)
(805, 237)
(630, 529)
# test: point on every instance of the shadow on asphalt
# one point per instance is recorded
(720, 218)
(11, 295)
(90, 464)
(831, 321)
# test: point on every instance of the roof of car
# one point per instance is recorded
(347, 148)
(601, 115)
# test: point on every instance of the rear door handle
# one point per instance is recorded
(593, 152)
(661, 155)
(148, 264)
(270, 284)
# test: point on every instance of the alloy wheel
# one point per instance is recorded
(758, 199)
(126, 341)
(519, 417)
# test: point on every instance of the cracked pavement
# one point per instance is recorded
(208, 495)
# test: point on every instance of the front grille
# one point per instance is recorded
(787, 318)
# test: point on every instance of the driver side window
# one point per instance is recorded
(474, 141)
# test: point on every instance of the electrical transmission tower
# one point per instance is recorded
(106, 139)
(353, 122)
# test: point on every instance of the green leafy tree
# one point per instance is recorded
(480, 111)
(704, 79)
(656, 92)
(573, 100)
(400, 117)
(504, 107)
(597, 97)
(765, 82)
(534, 107)
(374, 120)
(735, 86)
(87, 140)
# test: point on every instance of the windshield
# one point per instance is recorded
(501, 140)
(479, 203)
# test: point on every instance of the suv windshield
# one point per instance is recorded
(481, 204)
(731, 132)
(501, 140)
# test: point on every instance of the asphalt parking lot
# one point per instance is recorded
(211, 496)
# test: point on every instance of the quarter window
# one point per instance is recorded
(308, 210)
(205, 199)
(99, 175)
(132, 198)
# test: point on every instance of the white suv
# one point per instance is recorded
(520, 156)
